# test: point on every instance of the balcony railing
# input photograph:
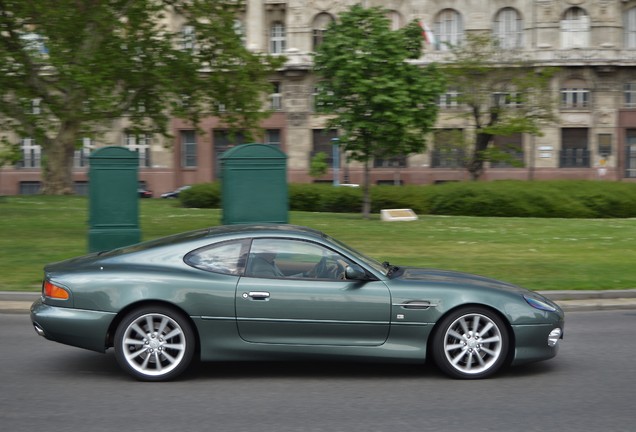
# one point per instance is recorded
(550, 57)
(539, 57)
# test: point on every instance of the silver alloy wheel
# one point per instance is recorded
(154, 344)
(473, 343)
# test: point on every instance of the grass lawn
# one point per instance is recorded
(540, 254)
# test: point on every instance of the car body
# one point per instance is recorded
(175, 193)
(283, 292)
(144, 193)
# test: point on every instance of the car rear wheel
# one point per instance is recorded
(471, 343)
(154, 343)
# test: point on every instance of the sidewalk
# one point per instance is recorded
(570, 301)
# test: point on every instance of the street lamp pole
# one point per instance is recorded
(336, 161)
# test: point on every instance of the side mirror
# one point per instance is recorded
(355, 272)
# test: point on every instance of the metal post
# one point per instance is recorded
(336, 161)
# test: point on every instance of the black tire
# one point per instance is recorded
(471, 343)
(154, 343)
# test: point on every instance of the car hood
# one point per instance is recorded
(455, 278)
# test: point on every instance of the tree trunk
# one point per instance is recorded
(366, 192)
(476, 164)
(58, 161)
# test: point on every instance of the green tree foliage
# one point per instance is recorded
(85, 64)
(503, 94)
(382, 105)
(318, 166)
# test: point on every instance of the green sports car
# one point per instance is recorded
(283, 292)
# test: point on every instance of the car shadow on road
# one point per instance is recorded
(309, 370)
(74, 363)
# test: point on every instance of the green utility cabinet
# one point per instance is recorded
(254, 184)
(113, 199)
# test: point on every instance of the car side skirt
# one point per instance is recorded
(406, 343)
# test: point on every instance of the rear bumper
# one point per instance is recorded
(80, 328)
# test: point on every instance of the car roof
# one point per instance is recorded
(265, 229)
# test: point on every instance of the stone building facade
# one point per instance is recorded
(592, 42)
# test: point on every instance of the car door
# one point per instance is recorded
(303, 298)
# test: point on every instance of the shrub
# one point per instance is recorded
(508, 198)
(202, 195)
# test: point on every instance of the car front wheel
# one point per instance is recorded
(471, 343)
(154, 343)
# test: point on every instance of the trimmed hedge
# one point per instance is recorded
(562, 199)
(202, 195)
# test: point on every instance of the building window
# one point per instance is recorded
(448, 149)
(393, 162)
(319, 28)
(30, 187)
(448, 100)
(80, 188)
(188, 38)
(574, 148)
(506, 99)
(629, 27)
(80, 158)
(31, 154)
(35, 45)
(36, 108)
(395, 20)
(449, 29)
(141, 144)
(272, 137)
(188, 149)
(630, 153)
(508, 151)
(277, 38)
(323, 142)
(223, 140)
(316, 104)
(629, 93)
(509, 28)
(575, 94)
(239, 29)
(276, 97)
(575, 29)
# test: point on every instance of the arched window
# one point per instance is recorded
(629, 27)
(449, 29)
(575, 28)
(395, 19)
(277, 38)
(319, 26)
(508, 28)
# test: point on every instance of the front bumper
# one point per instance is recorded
(534, 342)
(76, 327)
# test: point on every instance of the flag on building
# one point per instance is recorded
(427, 33)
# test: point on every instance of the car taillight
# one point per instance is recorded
(54, 291)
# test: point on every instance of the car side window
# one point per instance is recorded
(294, 259)
(226, 257)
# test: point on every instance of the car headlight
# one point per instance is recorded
(539, 304)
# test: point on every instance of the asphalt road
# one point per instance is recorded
(589, 386)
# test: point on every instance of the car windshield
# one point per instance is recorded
(377, 266)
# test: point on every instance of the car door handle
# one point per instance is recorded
(256, 295)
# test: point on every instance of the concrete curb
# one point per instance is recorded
(570, 301)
